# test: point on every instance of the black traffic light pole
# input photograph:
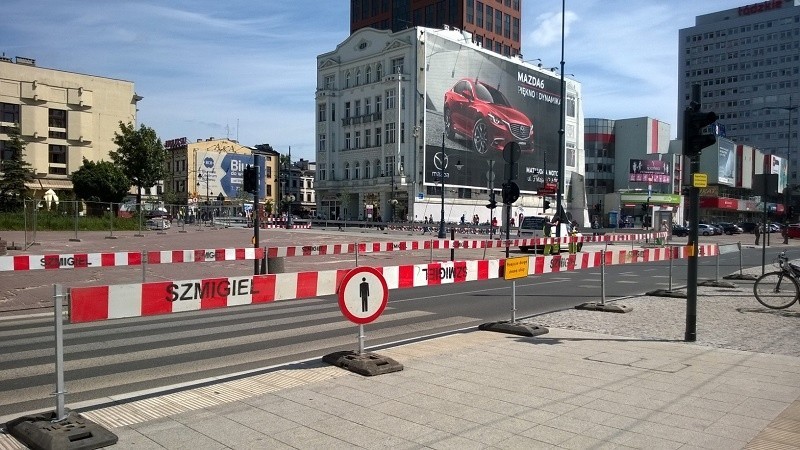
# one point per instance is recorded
(693, 142)
(256, 224)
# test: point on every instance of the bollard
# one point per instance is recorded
(275, 265)
(357, 261)
(740, 258)
(716, 276)
(58, 296)
(430, 261)
(671, 256)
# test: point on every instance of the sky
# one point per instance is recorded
(246, 70)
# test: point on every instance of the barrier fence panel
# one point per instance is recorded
(132, 300)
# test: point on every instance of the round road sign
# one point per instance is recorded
(363, 295)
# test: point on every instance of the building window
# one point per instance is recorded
(358, 139)
(368, 138)
(57, 157)
(570, 106)
(489, 16)
(347, 110)
(470, 11)
(479, 14)
(358, 77)
(507, 26)
(515, 30)
(571, 154)
(329, 81)
(347, 80)
(9, 113)
(57, 122)
(402, 132)
(347, 171)
(367, 106)
(397, 65)
(368, 75)
(390, 136)
(357, 111)
(378, 137)
(357, 171)
(489, 44)
(367, 170)
(321, 112)
(379, 72)
(498, 22)
(390, 100)
(5, 151)
(346, 141)
(321, 143)
(377, 104)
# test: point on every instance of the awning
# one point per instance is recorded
(49, 183)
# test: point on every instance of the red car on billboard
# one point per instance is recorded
(482, 114)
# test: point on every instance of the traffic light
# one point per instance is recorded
(510, 192)
(545, 205)
(693, 123)
(492, 202)
(250, 179)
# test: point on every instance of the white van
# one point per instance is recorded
(533, 227)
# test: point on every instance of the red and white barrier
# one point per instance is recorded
(84, 260)
(133, 300)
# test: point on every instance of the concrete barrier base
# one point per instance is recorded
(604, 307)
(367, 364)
(667, 293)
(74, 431)
(741, 276)
(516, 328)
(715, 283)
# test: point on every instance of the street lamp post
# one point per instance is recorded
(288, 199)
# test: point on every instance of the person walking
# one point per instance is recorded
(757, 232)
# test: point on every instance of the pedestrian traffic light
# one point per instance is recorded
(694, 122)
(510, 192)
(492, 202)
(250, 179)
(545, 205)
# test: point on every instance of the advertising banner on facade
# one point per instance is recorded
(476, 103)
(650, 171)
(223, 173)
(726, 169)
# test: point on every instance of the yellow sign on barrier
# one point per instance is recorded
(516, 268)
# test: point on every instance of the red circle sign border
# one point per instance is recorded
(384, 301)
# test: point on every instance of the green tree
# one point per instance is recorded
(16, 172)
(141, 156)
(101, 181)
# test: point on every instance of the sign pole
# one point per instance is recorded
(360, 339)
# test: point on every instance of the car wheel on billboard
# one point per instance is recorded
(480, 136)
(448, 123)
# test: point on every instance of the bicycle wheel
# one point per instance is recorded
(776, 290)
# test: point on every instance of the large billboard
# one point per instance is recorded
(650, 171)
(476, 103)
(223, 173)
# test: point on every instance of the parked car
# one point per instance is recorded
(533, 227)
(793, 230)
(679, 230)
(729, 228)
(705, 229)
(774, 227)
(482, 114)
(748, 227)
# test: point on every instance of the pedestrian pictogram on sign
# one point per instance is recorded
(363, 295)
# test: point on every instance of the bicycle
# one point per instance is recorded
(779, 289)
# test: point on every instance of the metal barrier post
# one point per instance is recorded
(452, 243)
(740, 257)
(356, 253)
(144, 266)
(431, 258)
(671, 251)
(513, 301)
(602, 277)
(716, 277)
(360, 339)
(59, 328)
(75, 239)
